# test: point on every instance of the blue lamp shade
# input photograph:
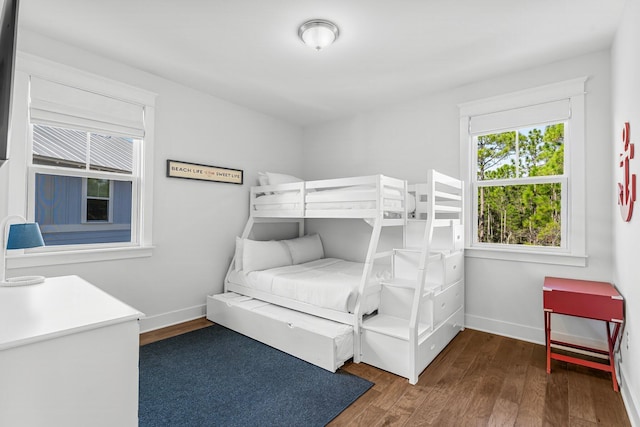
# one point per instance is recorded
(23, 236)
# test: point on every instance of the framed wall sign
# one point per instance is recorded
(186, 170)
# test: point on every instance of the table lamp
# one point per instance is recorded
(22, 235)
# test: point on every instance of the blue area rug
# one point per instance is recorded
(217, 377)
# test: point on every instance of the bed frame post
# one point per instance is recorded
(368, 268)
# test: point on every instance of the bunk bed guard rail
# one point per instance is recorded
(355, 197)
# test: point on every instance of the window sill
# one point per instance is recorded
(527, 256)
(26, 260)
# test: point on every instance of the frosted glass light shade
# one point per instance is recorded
(318, 33)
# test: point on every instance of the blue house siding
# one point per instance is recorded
(58, 199)
(122, 203)
(58, 210)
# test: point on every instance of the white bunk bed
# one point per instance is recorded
(326, 335)
(329, 334)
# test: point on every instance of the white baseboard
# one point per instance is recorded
(527, 333)
(507, 329)
(163, 320)
(629, 398)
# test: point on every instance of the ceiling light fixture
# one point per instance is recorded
(318, 33)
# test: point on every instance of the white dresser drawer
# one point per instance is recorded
(449, 270)
(441, 336)
(448, 301)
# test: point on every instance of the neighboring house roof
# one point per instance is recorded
(68, 147)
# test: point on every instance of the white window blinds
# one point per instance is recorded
(56, 104)
(549, 112)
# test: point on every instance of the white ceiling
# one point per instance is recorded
(248, 52)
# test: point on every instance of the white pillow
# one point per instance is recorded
(263, 179)
(257, 255)
(305, 249)
(280, 178)
(239, 246)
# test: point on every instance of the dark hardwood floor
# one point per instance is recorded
(172, 331)
(479, 379)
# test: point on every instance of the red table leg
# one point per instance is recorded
(612, 338)
(547, 334)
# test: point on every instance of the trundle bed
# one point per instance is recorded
(286, 293)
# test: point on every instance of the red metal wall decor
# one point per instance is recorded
(626, 190)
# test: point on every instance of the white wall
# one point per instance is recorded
(194, 222)
(626, 235)
(405, 140)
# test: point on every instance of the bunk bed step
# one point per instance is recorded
(433, 256)
(392, 326)
(400, 283)
(319, 341)
(443, 268)
(390, 352)
(396, 301)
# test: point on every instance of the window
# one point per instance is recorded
(523, 159)
(87, 166)
(520, 182)
(94, 205)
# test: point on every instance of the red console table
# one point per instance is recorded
(587, 299)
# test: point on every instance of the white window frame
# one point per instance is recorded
(85, 198)
(573, 249)
(22, 171)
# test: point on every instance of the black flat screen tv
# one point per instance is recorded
(8, 29)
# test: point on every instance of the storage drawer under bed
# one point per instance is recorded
(319, 341)
(447, 302)
(391, 353)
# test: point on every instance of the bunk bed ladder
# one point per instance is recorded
(372, 255)
(421, 305)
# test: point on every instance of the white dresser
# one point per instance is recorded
(68, 356)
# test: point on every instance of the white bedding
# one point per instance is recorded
(354, 197)
(327, 283)
(352, 193)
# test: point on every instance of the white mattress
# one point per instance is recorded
(354, 197)
(327, 283)
(353, 193)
